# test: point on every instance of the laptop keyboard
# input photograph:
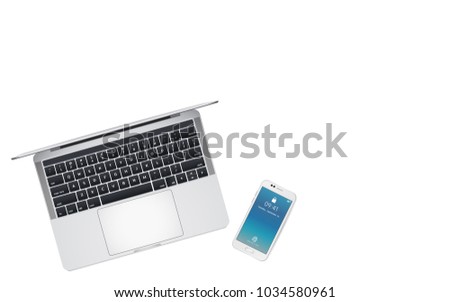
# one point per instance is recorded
(105, 174)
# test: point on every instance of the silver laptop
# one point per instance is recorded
(130, 188)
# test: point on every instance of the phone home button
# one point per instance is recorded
(249, 250)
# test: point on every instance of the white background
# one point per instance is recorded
(375, 225)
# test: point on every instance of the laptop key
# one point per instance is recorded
(165, 171)
(71, 165)
(173, 147)
(50, 171)
(162, 150)
(102, 156)
(113, 153)
(102, 189)
(168, 160)
(154, 141)
(133, 147)
(144, 144)
(81, 206)
(120, 195)
(147, 165)
(157, 163)
(193, 164)
(59, 190)
(131, 159)
(178, 156)
(79, 173)
(84, 183)
(61, 168)
(123, 183)
(82, 195)
(164, 138)
(115, 174)
(175, 168)
(181, 178)
(55, 180)
(141, 156)
(191, 175)
(63, 200)
(92, 192)
(134, 180)
(71, 209)
(174, 136)
(105, 177)
(144, 177)
(110, 165)
(123, 150)
(100, 168)
(188, 132)
(152, 153)
(155, 174)
(192, 153)
(94, 202)
(91, 159)
(81, 162)
(89, 171)
(136, 168)
(120, 162)
(170, 181)
(126, 171)
(94, 180)
(68, 176)
(113, 186)
(61, 211)
(73, 186)
(194, 142)
(202, 172)
(159, 184)
(184, 144)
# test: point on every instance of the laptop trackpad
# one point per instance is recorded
(140, 222)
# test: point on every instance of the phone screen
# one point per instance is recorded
(264, 220)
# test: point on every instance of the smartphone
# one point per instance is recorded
(264, 220)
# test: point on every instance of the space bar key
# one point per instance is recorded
(109, 198)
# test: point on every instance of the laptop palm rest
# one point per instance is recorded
(140, 222)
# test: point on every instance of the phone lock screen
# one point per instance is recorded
(264, 220)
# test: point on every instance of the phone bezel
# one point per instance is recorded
(279, 190)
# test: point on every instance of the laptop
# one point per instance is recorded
(130, 188)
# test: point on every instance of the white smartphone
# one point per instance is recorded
(264, 220)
